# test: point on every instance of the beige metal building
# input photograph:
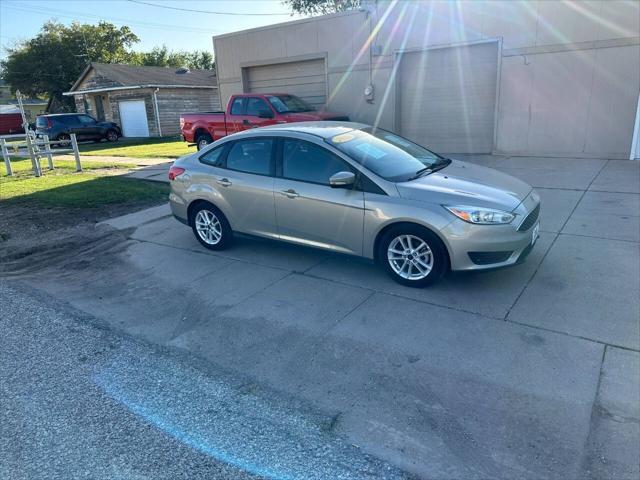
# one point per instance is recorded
(518, 77)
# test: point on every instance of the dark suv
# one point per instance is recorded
(60, 126)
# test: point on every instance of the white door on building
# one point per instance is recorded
(447, 97)
(307, 79)
(133, 118)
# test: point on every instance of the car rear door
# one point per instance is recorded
(244, 181)
(308, 210)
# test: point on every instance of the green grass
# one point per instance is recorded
(22, 166)
(139, 148)
(63, 187)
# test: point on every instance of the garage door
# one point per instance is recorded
(306, 79)
(447, 97)
(133, 118)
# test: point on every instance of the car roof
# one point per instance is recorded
(61, 114)
(322, 129)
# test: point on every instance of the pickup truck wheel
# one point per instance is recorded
(203, 140)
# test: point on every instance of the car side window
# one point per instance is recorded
(213, 157)
(307, 162)
(256, 105)
(86, 120)
(236, 106)
(251, 156)
(69, 121)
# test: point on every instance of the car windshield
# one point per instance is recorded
(386, 154)
(290, 104)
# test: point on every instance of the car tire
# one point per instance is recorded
(203, 140)
(112, 136)
(210, 226)
(64, 137)
(413, 255)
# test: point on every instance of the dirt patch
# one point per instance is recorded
(33, 238)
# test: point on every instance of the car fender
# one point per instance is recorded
(382, 212)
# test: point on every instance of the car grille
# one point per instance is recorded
(487, 258)
(530, 220)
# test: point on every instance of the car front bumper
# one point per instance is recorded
(483, 247)
(488, 246)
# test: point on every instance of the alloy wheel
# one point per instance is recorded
(208, 227)
(410, 257)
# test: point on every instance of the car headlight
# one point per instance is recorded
(480, 216)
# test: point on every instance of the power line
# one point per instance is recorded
(209, 11)
(74, 16)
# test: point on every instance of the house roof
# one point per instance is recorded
(122, 76)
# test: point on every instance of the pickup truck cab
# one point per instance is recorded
(250, 110)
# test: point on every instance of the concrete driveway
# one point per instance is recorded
(530, 372)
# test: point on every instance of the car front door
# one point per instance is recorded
(86, 128)
(258, 113)
(244, 181)
(308, 210)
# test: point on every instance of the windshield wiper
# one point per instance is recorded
(434, 167)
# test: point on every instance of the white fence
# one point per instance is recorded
(35, 148)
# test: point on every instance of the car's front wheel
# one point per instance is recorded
(413, 255)
(210, 227)
(64, 140)
(112, 136)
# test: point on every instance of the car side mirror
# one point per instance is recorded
(342, 179)
(265, 114)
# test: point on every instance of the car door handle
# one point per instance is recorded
(246, 122)
(224, 182)
(291, 193)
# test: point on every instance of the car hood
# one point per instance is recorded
(315, 115)
(464, 183)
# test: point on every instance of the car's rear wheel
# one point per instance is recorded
(112, 136)
(202, 140)
(210, 226)
(413, 255)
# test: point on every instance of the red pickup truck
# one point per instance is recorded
(249, 110)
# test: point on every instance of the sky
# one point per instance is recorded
(179, 30)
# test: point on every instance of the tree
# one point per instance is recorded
(201, 59)
(321, 7)
(163, 57)
(49, 64)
